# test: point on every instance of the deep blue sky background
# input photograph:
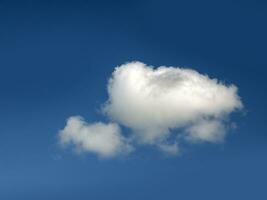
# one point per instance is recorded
(55, 59)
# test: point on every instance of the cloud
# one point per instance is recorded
(172, 149)
(206, 130)
(162, 106)
(105, 140)
(153, 102)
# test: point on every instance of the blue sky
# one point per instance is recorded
(55, 62)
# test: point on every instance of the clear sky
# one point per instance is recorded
(55, 61)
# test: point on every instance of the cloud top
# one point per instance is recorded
(161, 106)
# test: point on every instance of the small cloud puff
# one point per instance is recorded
(161, 106)
(105, 140)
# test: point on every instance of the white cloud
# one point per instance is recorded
(206, 130)
(161, 106)
(172, 149)
(105, 140)
(151, 102)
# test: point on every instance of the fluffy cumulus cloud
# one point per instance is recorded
(102, 139)
(161, 106)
